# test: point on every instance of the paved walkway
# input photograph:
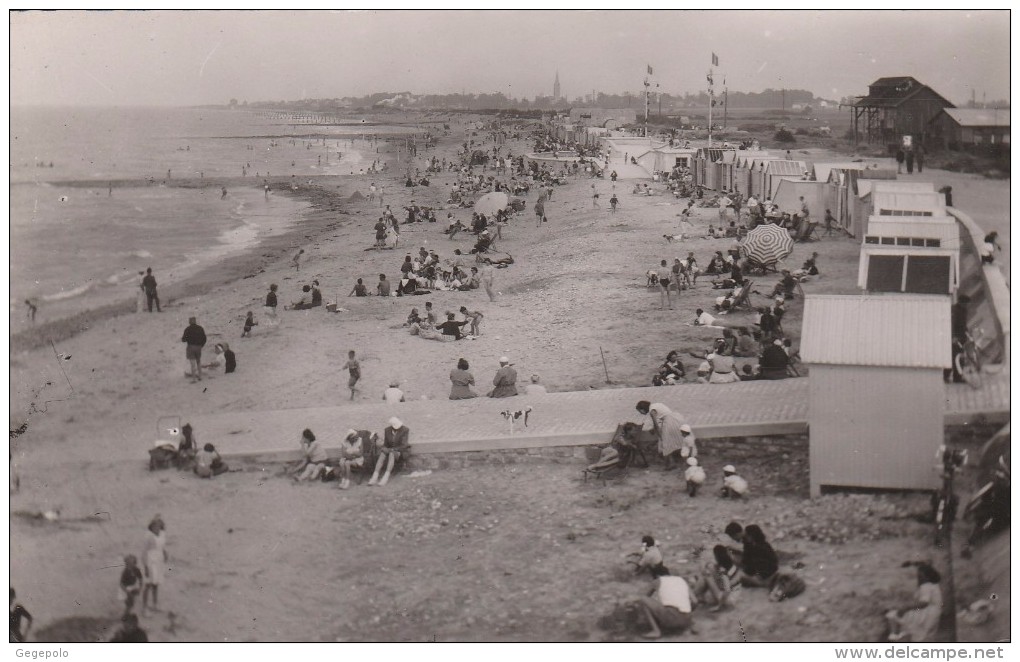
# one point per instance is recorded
(557, 419)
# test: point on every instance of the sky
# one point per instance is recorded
(196, 57)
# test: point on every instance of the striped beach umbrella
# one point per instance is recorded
(766, 244)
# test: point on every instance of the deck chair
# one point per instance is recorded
(760, 267)
(744, 300)
(622, 451)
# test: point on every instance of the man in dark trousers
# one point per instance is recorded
(194, 336)
(149, 285)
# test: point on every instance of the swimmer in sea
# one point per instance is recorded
(31, 310)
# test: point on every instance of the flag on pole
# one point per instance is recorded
(715, 60)
(649, 69)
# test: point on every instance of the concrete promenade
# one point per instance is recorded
(759, 408)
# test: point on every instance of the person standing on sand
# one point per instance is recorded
(32, 310)
(149, 285)
(540, 210)
(270, 307)
(194, 336)
(154, 561)
(594, 196)
(488, 276)
(296, 260)
(354, 368)
(663, 274)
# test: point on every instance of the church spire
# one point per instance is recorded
(556, 86)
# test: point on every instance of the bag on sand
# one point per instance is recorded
(785, 586)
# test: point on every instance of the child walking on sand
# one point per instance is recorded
(130, 583)
(354, 368)
(249, 322)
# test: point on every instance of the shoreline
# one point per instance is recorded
(225, 271)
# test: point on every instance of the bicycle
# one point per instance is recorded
(944, 501)
(967, 357)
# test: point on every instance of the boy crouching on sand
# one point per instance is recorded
(694, 475)
(734, 487)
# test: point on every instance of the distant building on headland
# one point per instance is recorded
(972, 129)
(556, 88)
(896, 107)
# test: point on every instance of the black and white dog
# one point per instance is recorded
(513, 416)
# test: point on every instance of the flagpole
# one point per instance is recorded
(710, 104)
(646, 106)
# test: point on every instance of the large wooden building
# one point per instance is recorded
(971, 129)
(896, 107)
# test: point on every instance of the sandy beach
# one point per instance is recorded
(510, 553)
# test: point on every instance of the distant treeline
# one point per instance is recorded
(668, 102)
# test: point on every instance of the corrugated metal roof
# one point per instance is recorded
(780, 167)
(979, 116)
(893, 330)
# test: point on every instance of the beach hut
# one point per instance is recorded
(705, 166)
(851, 196)
(727, 170)
(911, 243)
(745, 169)
(757, 170)
(779, 169)
(877, 399)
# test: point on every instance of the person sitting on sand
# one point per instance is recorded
(451, 327)
(810, 267)
(774, 361)
(505, 381)
(759, 563)
(229, 360)
(383, 287)
(462, 381)
(668, 605)
(734, 487)
(359, 289)
(413, 318)
(919, 621)
(130, 632)
(672, 369)
(393, 394)
(395, 443)
(314, 460)
(352, 454)
(208, 462)
(534, 388)
(701, 318)
(785, 287)
(649, 558)
(718, 578)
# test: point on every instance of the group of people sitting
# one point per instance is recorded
(359, 449)
(181, 451)
(669, 605)
(429, 327)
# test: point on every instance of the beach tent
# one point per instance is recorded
(818, 196)
(727, 169)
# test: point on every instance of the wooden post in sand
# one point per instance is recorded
(604, 364)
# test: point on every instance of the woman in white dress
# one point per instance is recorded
(919, 622)
(155, 563)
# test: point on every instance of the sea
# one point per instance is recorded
(78, 243)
